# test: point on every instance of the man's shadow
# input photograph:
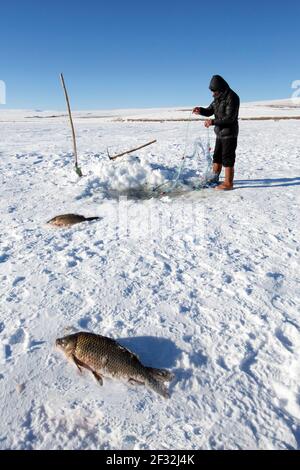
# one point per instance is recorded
(267, 183)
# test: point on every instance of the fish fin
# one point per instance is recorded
(80, 364)
(98, 377)
(158, 387)
(93, 218)
(162, 375)
(76, 362)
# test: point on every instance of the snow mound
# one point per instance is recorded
(130, 173)
(127, 176)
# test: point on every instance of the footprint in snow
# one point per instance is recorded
(276, 277)
(17, 280)
(17, 337)
(7, 352)
(84, 322)
(227, 278)
(4, 257)
(283, 339)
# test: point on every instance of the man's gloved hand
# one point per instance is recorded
(197, 110)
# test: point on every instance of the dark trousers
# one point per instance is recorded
(225, 151)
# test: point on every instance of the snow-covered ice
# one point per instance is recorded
(205, 284)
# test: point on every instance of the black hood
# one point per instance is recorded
(218, 83)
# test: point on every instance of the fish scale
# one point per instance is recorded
(102, 353)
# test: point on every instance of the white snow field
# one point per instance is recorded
(204, 283)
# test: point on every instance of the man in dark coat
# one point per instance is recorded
(225, 107)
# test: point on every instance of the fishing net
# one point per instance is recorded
(195, 168)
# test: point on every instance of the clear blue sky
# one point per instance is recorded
(152, 53)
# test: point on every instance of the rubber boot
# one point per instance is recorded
(214, 177)
(217, 168)
(227, 184)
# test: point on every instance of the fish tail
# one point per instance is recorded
(162, 375)
(157, 386)
(92, 218)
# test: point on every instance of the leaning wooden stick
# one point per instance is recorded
(77, 169)
(130, 151)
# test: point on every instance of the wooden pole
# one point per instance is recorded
(77, 169)
(132, 150)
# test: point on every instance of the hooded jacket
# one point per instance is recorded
(225, 108)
